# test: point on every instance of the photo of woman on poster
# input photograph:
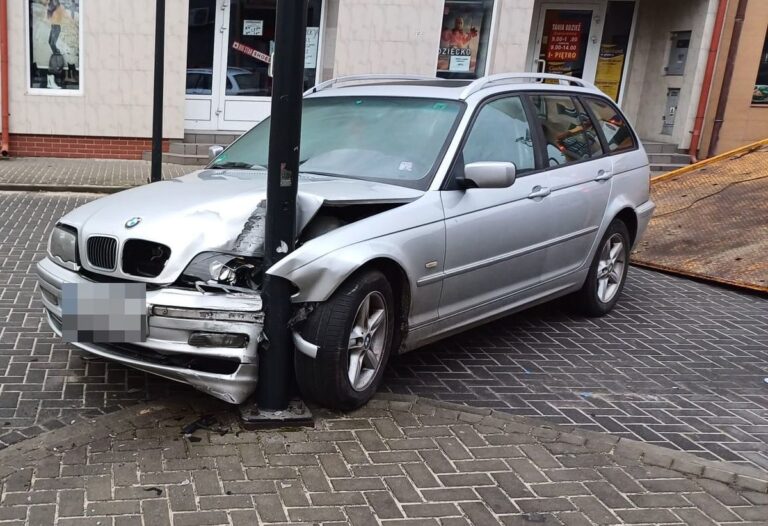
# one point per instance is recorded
(54, 27)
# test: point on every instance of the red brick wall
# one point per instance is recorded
(74, 146)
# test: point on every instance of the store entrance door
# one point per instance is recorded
(228, 53)
(568, 39)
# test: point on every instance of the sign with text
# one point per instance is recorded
(564, 41)
(248, 50)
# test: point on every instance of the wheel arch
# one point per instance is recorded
(629, 218)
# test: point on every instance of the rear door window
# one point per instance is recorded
(568, 132)
(617, 134)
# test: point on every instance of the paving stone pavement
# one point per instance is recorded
(42, 171)
(679, 363)
(392, 462)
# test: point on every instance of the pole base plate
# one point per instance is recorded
(297, 414)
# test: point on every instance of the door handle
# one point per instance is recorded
(539, 192)
(602, 175)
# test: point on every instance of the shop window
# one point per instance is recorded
(464, 38)
(614, 48)
(760, 95)
(54, 45)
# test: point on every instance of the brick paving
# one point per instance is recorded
(679, 364)
(392, 462)
(41, 171)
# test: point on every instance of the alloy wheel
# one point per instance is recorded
(610, 268)
(366, 341)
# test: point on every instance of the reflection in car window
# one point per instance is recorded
(569, 133)
(615, 130)
(501, 133)
(390, 139)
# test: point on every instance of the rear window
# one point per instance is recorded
(615, 129)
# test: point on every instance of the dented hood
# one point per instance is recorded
(214, 210)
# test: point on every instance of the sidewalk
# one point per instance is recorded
(79, 175)
(400, 460)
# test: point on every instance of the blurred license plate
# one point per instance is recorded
(104, 312)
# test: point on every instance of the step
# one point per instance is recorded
(177, 158)
(669, 158)
(184, 148)
(665, 167)
(659, 147)
(213, 137)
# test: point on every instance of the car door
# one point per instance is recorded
(494, 236)
(579, 178)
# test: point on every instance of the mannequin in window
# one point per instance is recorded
(56, 64)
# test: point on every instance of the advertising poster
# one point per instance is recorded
(460, 37)
(609, 68)
(54, 36)
(564, 42)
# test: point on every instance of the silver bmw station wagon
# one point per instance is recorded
(425, 207)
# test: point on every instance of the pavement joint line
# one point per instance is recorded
(744, 477)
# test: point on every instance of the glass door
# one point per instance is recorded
(228, 54)
(249, 35)
(203, 49)
(568, 40)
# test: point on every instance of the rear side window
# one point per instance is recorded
(569, 134)
(617, 134)
(501, 133)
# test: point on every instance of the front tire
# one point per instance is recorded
(354, 332)
(607, 273)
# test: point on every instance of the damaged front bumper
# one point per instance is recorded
(174, 315)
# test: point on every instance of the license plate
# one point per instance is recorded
(104, 312)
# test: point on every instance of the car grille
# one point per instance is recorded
(102, 252)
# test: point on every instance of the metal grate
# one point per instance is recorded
(102, 252)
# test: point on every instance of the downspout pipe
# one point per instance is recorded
(730, 65)
(709, 73)
(5, 141)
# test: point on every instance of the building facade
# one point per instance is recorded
(81, 71)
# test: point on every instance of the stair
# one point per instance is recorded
(665, 157)
(193, 149)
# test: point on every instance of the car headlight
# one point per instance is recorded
(62, 245)
(215, 268)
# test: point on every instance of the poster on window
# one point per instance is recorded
(54, 36)
(460, 37)
(564, 41)
(610, 65)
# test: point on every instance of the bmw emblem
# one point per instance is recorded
(132, 222)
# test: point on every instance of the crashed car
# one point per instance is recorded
(425, 207)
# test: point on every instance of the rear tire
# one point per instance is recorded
(354, 332)
(607, 273)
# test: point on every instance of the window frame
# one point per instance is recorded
(606, 149)
(80, 91)
(450, 180)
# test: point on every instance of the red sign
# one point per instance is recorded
(564, 41)
(248, 50)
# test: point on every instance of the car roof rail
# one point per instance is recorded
(363, 78)
(512, 78)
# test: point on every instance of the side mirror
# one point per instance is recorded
(214, 151)
(490, 174)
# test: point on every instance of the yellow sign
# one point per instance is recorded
(609, 69)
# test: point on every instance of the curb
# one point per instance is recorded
(19, 456)
(85, 189)
(743, 477)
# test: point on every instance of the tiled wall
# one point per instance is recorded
(118, 60)
(513, 26)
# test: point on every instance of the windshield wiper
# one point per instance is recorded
(238, 164)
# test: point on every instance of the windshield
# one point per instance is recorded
(395, 140)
